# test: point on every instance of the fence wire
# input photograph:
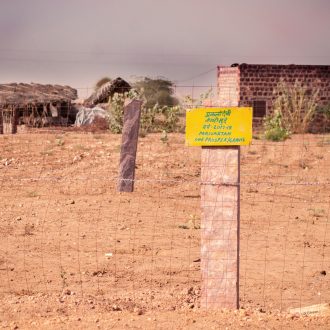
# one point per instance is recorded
(65, 230)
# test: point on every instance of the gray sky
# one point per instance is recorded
(76, 42)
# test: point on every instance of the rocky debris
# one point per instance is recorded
(116, 308)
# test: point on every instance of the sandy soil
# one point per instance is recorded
(76, 253)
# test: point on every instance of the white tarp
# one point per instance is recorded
(86, 116)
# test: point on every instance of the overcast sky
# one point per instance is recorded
(76, 42)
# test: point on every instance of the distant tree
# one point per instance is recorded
(157, 91)
(101, 82)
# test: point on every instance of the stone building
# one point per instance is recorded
(254, 85)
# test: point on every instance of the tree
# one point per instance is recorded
(157, 91)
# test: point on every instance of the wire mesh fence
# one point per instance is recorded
(65, 230)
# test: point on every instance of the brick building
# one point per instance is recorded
(253, 85)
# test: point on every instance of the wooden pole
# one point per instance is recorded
(220, 191)
(130, 136)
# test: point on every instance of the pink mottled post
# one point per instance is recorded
(1, 121)
(220, 227)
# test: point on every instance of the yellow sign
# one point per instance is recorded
(219, 126)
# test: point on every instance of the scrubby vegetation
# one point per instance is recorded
(294, 109)
(274, 128)
(160, 109)
(154, 118)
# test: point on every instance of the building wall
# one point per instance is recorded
(249, 82)
(258, 82)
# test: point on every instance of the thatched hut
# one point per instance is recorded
(35, 105)
(106, 91)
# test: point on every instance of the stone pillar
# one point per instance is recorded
(129, 142)
(220, 227)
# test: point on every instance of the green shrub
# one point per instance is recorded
(191, 102)
(148, 119)
(153, 119)
(115, 109)
(296, 104)
(170, 118)
(324, 110)
(274, 129)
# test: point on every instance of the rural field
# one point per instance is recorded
(74, 252)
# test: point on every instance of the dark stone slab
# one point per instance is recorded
(130, 136)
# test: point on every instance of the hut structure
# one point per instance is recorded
(35, 105)
(106, 91)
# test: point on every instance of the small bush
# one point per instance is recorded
(170, 118)
(191, 102)
(324, 110)
(274, 128)
(153, 119)
(296, 104)
(148, 118)
(116, 111)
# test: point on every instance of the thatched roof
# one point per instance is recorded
(107, 90)
(22, 94)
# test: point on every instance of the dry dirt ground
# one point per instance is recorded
(76, 253)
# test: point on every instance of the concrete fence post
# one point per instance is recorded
(220, 190)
